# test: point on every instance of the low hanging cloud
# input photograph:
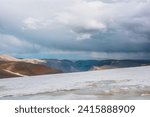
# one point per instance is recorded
(11, 44)
(100, 26)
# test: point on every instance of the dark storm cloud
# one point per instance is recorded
(101, 26)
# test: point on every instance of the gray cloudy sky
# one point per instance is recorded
(75, 29)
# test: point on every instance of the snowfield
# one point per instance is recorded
(124, 83)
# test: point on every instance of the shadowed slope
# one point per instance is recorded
(12, 69)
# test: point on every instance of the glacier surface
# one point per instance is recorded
(123, 83)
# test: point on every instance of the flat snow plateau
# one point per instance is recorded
(124, 83)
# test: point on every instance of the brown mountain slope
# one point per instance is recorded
(5, 74)
(4, 57)
(12, 69)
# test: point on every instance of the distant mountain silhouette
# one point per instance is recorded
(86, 65)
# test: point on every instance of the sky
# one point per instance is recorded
(75, 29)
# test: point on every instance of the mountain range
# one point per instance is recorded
(15, 67)
(86, 65)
